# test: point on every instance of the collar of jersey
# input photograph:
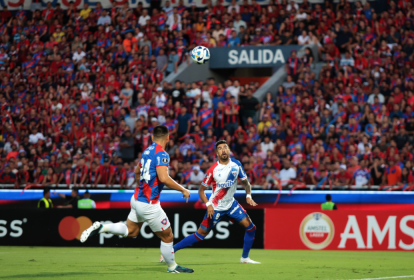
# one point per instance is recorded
(224, 164)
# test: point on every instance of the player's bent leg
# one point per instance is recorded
(191, 239)
(117, 229)
(167, 252)
(120, 229)
(133, 228)
(130, 229)
(248, 240)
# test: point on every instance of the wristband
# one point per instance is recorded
(249, 196)
(208, 204)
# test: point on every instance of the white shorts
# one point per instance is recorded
(151, 213)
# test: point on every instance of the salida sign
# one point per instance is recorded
(337, 230)
(258, 56)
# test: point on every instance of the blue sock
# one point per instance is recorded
(248, 240)
(188, 241)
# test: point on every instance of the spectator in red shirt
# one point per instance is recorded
(80, 173)
(47, 14)
(120, 174)
(107, 172)
(13, 153)
(5, 14)
(343, 179)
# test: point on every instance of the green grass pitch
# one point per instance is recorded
(130, 263)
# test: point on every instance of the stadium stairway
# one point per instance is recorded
(189, 72)
(317, 67)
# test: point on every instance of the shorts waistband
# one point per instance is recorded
(154, 201)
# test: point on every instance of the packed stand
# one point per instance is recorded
(82, 89)
(354, 125)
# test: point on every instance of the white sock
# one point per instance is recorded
(117, 229)
(167, 251)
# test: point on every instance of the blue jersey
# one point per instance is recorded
(149, 188)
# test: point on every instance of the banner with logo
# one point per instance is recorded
(339, 230)
(63, 227)
(64, 4)
(259, 56)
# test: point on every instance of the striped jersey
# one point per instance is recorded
(149, 188)
(206, 116)
(223, 179)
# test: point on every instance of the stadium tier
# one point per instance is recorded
(82, 88)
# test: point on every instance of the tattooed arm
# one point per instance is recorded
(248, 188)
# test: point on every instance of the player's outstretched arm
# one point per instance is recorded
(248, 188)
(164, 177)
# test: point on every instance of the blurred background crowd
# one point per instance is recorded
(82, 89)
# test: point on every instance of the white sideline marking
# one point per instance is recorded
(390, 277)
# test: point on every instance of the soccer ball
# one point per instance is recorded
(200, 55)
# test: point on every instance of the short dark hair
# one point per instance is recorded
(160, 131)
(220, 142)
(46, 191)
(328, 197)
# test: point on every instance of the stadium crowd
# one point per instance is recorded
(81, 90)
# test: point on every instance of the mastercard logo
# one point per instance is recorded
(71, 227)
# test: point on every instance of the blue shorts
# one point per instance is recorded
(235, 212)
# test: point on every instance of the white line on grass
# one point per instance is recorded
(389, 277)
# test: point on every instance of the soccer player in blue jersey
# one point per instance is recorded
(223, 176)
(151, 175)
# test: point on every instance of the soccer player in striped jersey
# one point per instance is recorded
(223, 176)
(151, 175)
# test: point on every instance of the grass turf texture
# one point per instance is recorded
(130, 263)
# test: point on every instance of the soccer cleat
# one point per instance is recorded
(180, 269)
(162, 259)
(91, 231)
(248, 260)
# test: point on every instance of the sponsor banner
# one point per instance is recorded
(203, 3)
(64, 4)
(63, 227)
(259, 56)
(339, 230)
